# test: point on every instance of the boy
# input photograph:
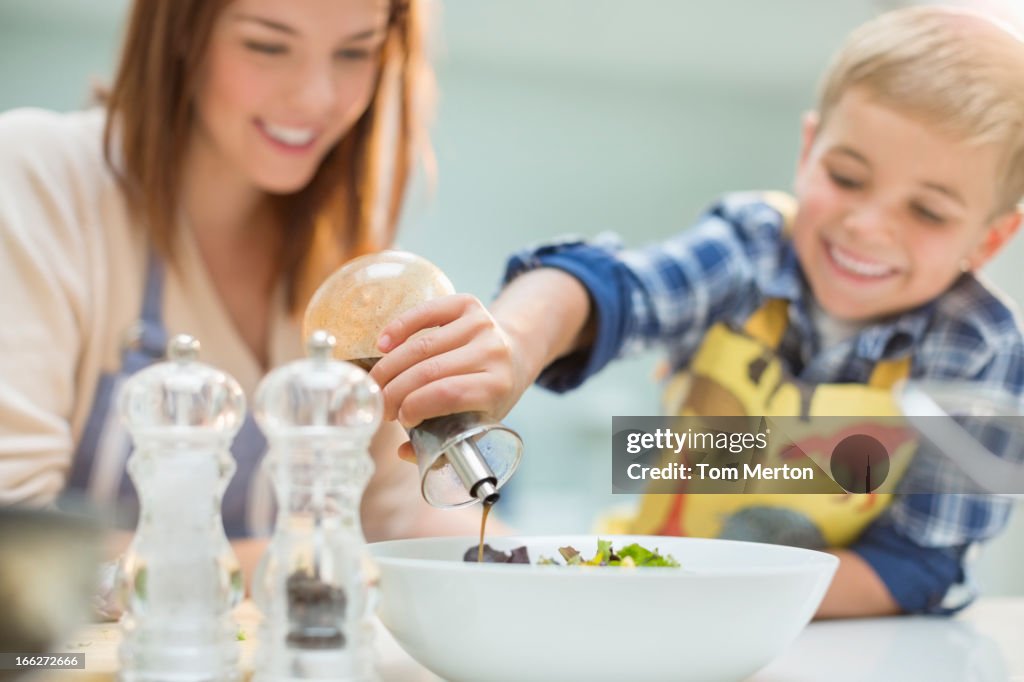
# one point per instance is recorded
(908, 181)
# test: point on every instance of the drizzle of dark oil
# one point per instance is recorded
(483, 525)
(367, 364)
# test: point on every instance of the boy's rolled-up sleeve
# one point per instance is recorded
(919, 547)
(598, 271)
(919, 578)
(666, 294)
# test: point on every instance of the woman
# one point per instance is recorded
(238, 159)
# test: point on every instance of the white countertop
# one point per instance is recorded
(984, 643)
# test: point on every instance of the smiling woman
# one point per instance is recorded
(238, 157)
(278, 98)
(270, 104)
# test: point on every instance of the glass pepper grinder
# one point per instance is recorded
(463, 458)
(315, 582)
(179, 579)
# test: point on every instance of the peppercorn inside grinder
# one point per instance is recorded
(463, 458)
(315, 583)
(179, 579)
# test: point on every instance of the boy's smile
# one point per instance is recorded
(892, 209)
(849, 263)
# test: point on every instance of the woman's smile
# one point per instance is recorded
(288, 138)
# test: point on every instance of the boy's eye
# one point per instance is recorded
(844, 181)
(926, 215)
(265, 48)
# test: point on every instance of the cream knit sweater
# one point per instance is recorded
(72, 268)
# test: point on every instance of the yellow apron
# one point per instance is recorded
(738, 373)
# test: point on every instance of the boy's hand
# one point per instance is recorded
(451, 355)
(447, 356)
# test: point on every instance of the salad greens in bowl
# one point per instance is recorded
(636, 607)
(630, 556)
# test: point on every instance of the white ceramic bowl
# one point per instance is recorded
(730, 609)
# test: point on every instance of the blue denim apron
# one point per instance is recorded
(98, 468)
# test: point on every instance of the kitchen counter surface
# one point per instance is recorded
(983, 643)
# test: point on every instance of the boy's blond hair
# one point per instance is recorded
(955, 69)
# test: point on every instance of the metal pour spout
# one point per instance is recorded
(471, 468)
(464, 458)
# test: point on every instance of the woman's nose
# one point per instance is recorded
(314, 90)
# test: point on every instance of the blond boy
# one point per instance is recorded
(908, 182)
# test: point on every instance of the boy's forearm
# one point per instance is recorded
(548, 313)
(856, 591)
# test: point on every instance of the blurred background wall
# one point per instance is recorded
(564, 116)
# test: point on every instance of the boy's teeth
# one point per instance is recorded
(292, 136)
(857, 266)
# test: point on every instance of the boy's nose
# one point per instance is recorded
(869, 222)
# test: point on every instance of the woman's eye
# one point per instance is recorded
(265, 48)
(844, 181)
(354, 54)
(926, 215)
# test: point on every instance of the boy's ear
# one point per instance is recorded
(997, 234)
(808, 133)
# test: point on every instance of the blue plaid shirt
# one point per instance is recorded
(735, 257)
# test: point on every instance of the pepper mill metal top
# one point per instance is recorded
(183, 348)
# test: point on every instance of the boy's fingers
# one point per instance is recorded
(435, 313)
(406, 453)
(430, 343)
(451, 395)
(431, 370)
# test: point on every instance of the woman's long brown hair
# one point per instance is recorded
(340, 214)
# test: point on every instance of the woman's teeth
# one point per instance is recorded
(857, 266)
(295, 137)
